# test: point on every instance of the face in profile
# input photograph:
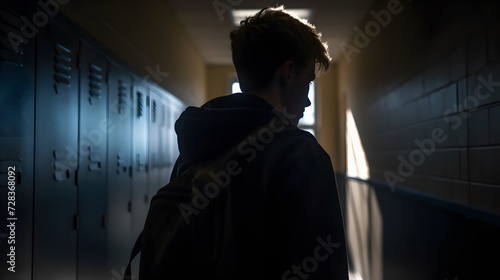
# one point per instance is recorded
(296, 96)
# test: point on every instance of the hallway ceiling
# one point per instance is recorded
(209, 29)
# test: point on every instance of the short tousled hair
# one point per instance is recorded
(269, 38)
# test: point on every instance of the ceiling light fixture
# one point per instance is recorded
(242, 14)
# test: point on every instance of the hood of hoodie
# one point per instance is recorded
(220, 124)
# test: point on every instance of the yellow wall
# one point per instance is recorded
(218, 80)
(145, 34)
(330, 117)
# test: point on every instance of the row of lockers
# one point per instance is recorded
(91, 143)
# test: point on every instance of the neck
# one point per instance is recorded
(272, 97)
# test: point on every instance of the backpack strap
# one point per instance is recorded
(135, 251)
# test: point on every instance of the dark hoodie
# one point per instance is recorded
(218, 125)
(286, 215)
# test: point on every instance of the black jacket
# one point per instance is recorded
(286, 215)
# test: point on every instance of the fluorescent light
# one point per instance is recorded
(239, 15)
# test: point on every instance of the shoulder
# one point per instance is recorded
(295, 153)
(297, 162)
(301, 143)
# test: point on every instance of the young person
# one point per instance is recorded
(281, 212)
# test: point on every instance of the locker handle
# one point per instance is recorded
(139, 164)
(95, 166)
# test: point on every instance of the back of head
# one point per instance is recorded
(269, 38)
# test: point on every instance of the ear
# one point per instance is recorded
(287, 71)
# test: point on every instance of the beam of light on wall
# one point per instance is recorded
(357, 165)
(354, 276)
(242, 14)
(364, 229)
(364, 222)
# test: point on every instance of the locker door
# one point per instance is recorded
(119, 239)
(176, 108)
(17, 88)
(140, 198)
(154, 140)
(164, 142)
(92, 186)
(56, 155)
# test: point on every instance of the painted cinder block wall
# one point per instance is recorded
(424, 91)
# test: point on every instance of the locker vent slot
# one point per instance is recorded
(122, 96)
(163, 116)
(11, 37)
(62, 67)
(140, 105)
(96, 81)
(153, 112)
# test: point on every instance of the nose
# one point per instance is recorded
(308, 103)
